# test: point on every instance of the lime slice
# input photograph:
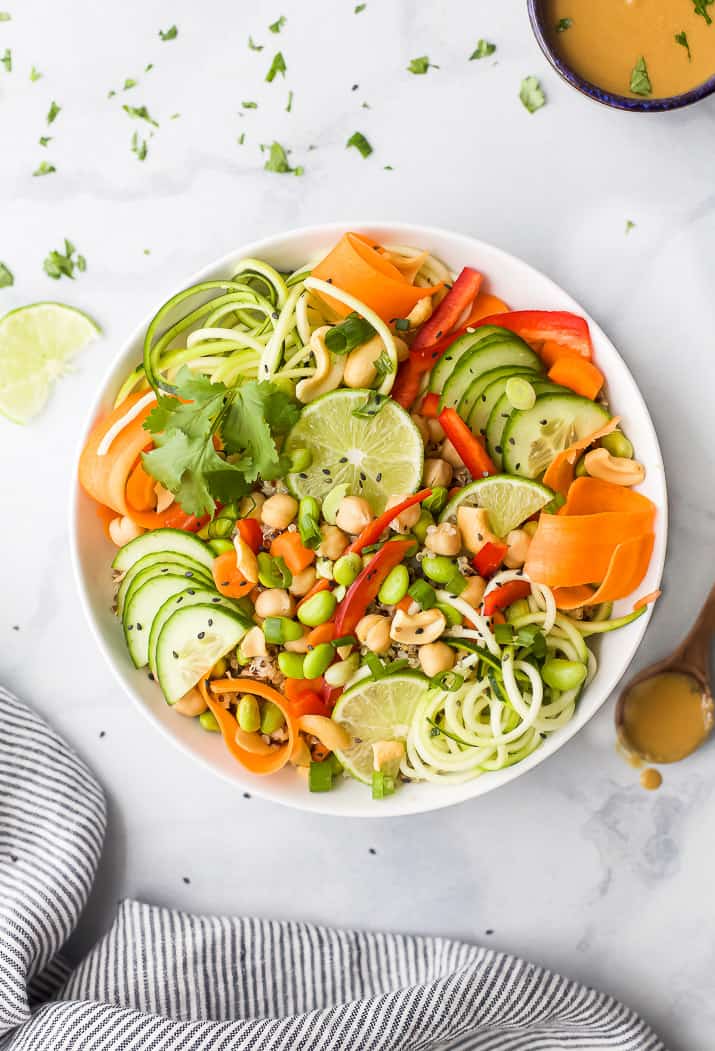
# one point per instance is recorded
(508, 499)
(376, 710)
(375, 456)
(36, 342)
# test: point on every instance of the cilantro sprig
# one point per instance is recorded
(277, 66)
(278, 161)
(640, 81)
(244, 421)
(358, 140)
(64, 264)
(531, 94)
(6, 276)
(420, 65)
(483, 49)
(169, 34)
(701, 8)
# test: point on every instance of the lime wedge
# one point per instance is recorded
(36, 342)
(508, 499)
(375, 456)
(376, 710)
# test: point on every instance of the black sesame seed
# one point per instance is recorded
(419, 631)
(201, 635)
(354, 88)
(275, 315)
(489, 931)
(191, 591)
(13, 858)
(139, 627)
(302, 475)
(150, 676)
(165, 570)
(186, 879)
(543, 422)
(372, 850)
(130, 627)
(484, 397)
(217, 599)
(329, 281)
(512, 441)
(363, 477)
(378, 476)
(343, 459)
(102, 733)
(210, 622)
(224, 584)
(246, 795)
(517, 466)
(439, 334)
(479, 537)
(497, 448)
(326, 470)
(175, 655)
(189, 573)
(179, 599)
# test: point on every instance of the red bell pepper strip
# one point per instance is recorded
(475, 457)
(250, 532)
(502, 597)
(409, 375)
(487, 561)
(371, 533)
(366, 585)
(309, 702)
(450, 310)
(558, 329)
(430, 406)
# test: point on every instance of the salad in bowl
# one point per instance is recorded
(367, 519)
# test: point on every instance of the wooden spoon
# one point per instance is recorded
(666, 711)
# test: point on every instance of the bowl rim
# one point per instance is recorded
(610, 98)
(321, 804)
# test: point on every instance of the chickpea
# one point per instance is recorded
(274, 602)
(122, 530)
(406, 519)
(250, 506)
(373, 631)
(444, 539)
(436, 433)
(360, 364)
(302, 582)
(449, 453)
(279, 511)
(437, 472)
(518, 543)
(333, 543)
(421, 424)
(191, 704)
(253, 644)
(436, 657)
(353, 514)
(474, 591)
(365, 623)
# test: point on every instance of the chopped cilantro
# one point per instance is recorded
(111, 94)
(44, 169)
(701, 8)
(249, 105)
(253, 45)
(129, 83)
(383, 365)
(139, 146)
(278, 161)
(5, 16)
(358, 140)
(63, 264)
(275, 27)
(277, 66)
(629, 225)
(420, 65)
(174, 116)
(7, 60)
(241, 138)
(563, 24)
(388, 168)
(140, 113)
(483, 50)
(682, 39)
(6, 276)
(247, 419)
(169, 34)
(289, 103)
(359, 8)
(148, 67)
(640, 81)
(531, 94)
(53, 113)
(35, 74)
(366, 105)
(147, 251)
(44, 139)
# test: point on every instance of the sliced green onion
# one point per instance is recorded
(402, 324)
(423, 594)
(447, 680)
(309, 522)
(456, 584)
(273, 572)
(394, 666)
(320, 776)
(279, 630)
(377, 668)
(382, 785)
(435, 503)
(344, 640)
(349, 334)
(503, 634)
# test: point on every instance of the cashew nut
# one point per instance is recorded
(373, 631)
(333, 543)
(246, 561)
(437, 472)
(279, 511)
(191, 704)
(421, 312)
(122, 530)
(328, 369)
(474, 526)
(360, 368)
(617, 469)
(450, 454)
(387, 756)
(298, 645)
(474, 591)
(252, 742)
(418, 629)
(406, 519)
(164, 498)
(517, 541)
(444, 539)
(253, 644)
(302, 582)
(436, 657)
(329, 733)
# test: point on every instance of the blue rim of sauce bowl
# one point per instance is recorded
(608, 98)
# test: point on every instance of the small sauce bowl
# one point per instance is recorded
(537, 16)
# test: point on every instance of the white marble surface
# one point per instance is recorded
(574, 866)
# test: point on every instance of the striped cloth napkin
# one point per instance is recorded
(163, 980)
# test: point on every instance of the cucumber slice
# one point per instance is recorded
(190, 643)
(465, 343)
(160, 563)
(479, 416)
(476, 388)
(189, 597)
(500, 414)
(140, 609)
(166, 540)
(483, 358)
(532, 439)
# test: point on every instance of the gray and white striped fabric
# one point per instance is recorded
(163, 980)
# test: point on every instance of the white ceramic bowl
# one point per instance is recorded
(522, 287)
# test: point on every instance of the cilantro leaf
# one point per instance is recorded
(531, 94)
(630, 225)
(169, 34)
(140, 113)
(249, 105)
(682, 39)
(563, 24)
(359, 8)
(289, 103)
(53, 113)
(383, 365)
(35, 74)
(358, 140)
(640, 81)
(277, 66)
(44, 139)
(253, 45)
(6, 276)
(278, 161)
(63, 264)
(148, 67)
(420, 65)
(7, 60)
(701, 7)
(44, 169)
(275, 27)
(129, 83)
(139, 146)
(483, 50)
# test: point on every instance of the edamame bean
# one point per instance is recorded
(394, 586)
(220, 547)
(220, 528)
(563, 675)
(617, 444)
(249, 714)
(317, 609)
(347, 568)
(300, 459)
(208, 722)
(272, 718)
(338, 674)
(439, 568)
(220, 668)
(423, 523)
(278, 630)
(451, 615)
(520, 608)
(317, 660)
(580, 469)
(291, 664)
